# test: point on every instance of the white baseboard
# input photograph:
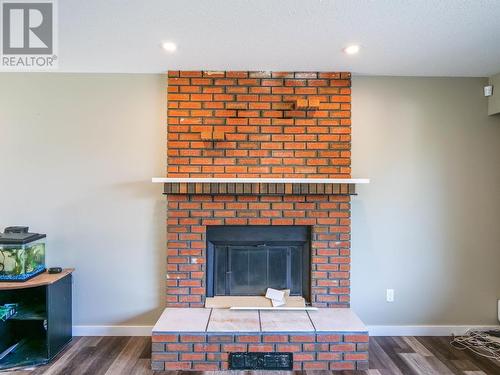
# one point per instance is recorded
(374, 330)
(112, 330)
(422, 330)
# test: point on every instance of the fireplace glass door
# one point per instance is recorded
(241, 262)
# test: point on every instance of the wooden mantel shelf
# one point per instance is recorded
(262, 186)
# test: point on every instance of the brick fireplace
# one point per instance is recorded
(264, 125)
(264, 136)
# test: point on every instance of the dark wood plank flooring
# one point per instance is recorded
(388, 356)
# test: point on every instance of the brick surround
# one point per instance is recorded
(264, 137)
(208, 352)
(188, 216)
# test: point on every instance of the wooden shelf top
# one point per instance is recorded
(40, 280)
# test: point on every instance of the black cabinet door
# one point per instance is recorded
(59, 322)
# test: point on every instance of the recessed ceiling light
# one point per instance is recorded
(169, 46)
(351, 50)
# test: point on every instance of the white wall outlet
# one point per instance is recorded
(488, 90)
(389, 295)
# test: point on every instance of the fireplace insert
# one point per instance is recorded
(246, 260)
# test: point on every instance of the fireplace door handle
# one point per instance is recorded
(228, 282)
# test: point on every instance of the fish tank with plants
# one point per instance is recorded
(22, 254)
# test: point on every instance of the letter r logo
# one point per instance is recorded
(27, 28)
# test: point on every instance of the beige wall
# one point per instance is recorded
(494, 100)
(78, 152)
(429, 223)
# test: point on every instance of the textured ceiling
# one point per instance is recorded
(398, 37)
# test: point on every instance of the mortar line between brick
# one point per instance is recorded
(208, 321)
(307, 312)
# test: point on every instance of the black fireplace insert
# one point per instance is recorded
(246, 260)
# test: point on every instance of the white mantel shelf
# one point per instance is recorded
(162, 180)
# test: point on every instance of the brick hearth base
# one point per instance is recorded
(201, 339)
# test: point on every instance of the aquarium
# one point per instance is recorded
(22, 254)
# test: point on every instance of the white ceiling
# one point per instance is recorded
(398, 37)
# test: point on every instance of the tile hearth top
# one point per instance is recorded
(225, 320)
(185, 320)
(285, 321)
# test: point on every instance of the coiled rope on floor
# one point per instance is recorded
(482, 342)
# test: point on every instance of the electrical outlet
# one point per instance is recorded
(488, 90)
(389, 295)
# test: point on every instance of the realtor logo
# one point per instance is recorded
(28, 34)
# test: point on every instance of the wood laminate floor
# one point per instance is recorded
(388, 356)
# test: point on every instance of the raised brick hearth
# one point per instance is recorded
(201, 339)
(258, 132)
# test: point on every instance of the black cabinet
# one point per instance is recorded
(42, 324)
